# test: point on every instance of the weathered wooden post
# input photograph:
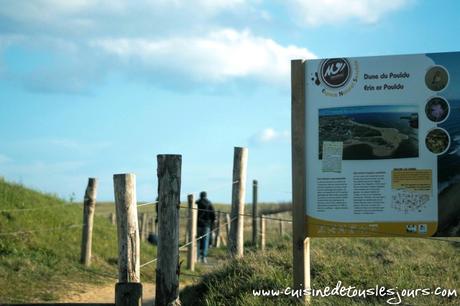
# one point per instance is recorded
(300, 243)
(187, 227)
(263, 226)
(128, 290)
(218, 237)
(281, 224)
(254, 212)
(89, 205)
(227, 227)
(139, 223)
(113, 219)
(151, 225)
(240, 159)
(167, 276)
(192, 228)
(145, 227)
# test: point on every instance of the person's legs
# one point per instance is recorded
(201, 232)
(205, 241)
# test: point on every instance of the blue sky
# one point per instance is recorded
(93, 88)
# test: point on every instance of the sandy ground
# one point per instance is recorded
(104, 294)
(84, 293)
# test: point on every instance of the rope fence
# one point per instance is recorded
(148, 203)
(184, 195)
(194, 240)
(266, 216)
(340, 227)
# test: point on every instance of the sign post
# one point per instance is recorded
(301, 244)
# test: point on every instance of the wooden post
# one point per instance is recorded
(151, 225)
(168, 269)
(281, 224)
(189, 223)
(156, 217)
(240, 159)
(145, 227)
(128, 290)
(218, 237)
(192, 228)
(139, 223)
(262, 232)
(300, 243)
(113, 219)
(89, 205)
(254, 212)
(227, 227)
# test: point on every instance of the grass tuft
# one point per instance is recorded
(363, 263)
(44, 264)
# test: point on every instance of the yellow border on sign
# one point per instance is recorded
(322, 228)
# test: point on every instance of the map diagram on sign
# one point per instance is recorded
(408, 202)
(411, 188)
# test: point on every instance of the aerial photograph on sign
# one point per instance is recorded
(371, 132)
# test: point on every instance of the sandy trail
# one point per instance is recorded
(85, 293)
(104, 294)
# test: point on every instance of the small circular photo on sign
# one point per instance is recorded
(437, 141)
(437, 109)
(436, 78)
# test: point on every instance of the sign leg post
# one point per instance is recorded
(301, 244)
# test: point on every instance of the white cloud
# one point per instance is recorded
(178, 44)
(206, 5)
(218, 56)
(91, 14)
(321, 12)
(270, 135)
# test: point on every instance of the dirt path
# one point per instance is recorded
(104, 294)
(84, 293)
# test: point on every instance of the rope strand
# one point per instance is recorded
(190, 242)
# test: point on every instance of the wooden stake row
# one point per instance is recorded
(128, 290)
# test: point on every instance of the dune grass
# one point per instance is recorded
(363, 263)
(40, 237)
(44, 264)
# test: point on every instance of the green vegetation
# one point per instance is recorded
(106, 208)
(363, 263)
(43, 264)
(40, 261)
(40, 237)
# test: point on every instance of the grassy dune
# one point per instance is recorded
(359, 262)
(40, 238)
(42, 265)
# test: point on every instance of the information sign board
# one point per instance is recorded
(382, 145)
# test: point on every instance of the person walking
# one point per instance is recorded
(206, 217)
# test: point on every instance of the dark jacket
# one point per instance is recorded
(206, 214)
